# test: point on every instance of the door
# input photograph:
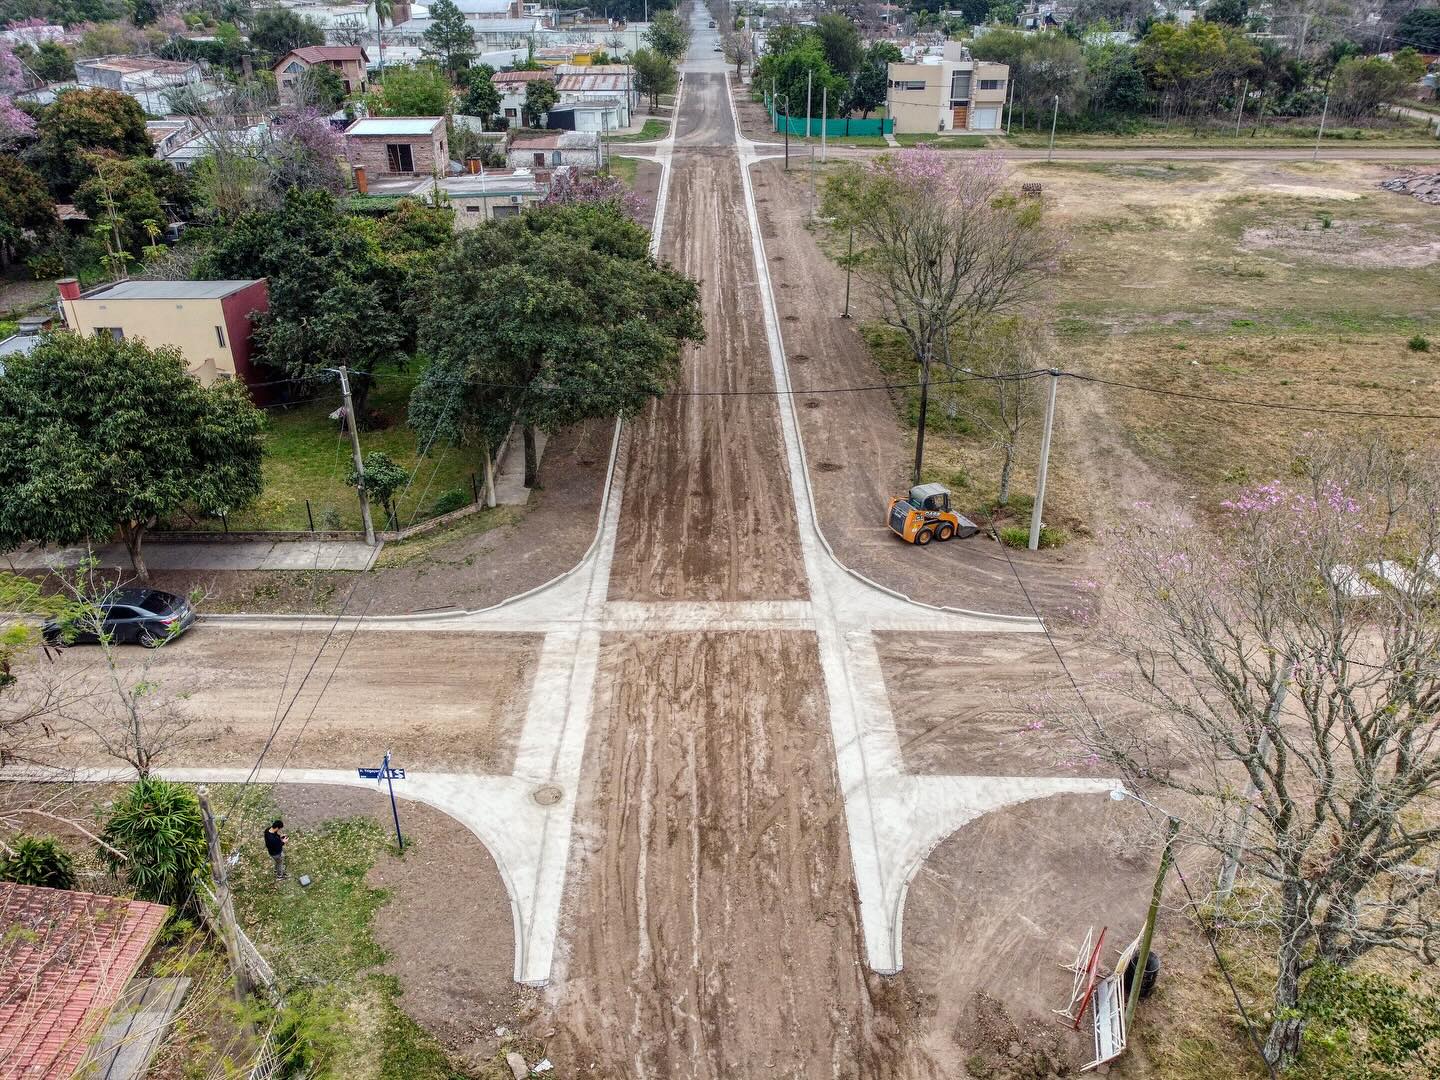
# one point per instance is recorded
(123, 623)
(960, 118)
(985, 120)
(400, 157)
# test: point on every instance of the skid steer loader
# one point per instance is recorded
(925, 515)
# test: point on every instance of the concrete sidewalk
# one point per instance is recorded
(210, 555)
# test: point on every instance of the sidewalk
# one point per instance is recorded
(209, 555)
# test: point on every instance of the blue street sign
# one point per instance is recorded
(381, 774)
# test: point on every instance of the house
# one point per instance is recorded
(600, 115)
(950, 92)
(349, 62)
(66, 960)
(512, 86)
(208, 321)
(492, 194)
(580, 148)
(599, 82)
(169, 135)
(1046, 15)
(398, 146)
(148, 80)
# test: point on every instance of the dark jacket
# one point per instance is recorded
(274, 842)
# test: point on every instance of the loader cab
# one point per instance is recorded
(930, 497)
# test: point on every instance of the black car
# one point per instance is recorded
(145, 616)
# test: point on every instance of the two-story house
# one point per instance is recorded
(951, 92)
(349, 62)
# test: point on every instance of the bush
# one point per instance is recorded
(450, 501)
(38, 861)
(157, 825)
(1018, 536)
(1418, 343)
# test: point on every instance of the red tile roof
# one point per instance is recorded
(65, 958)
(520, 76)
(313, 54)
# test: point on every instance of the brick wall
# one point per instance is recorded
(369, 151)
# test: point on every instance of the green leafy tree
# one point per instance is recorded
(1420, 28)
(800, 66)
(668, 35)
(334, 298)
(1191, 66)
(84, 122)
(53, 62)
(384, 479)
(422, 90)
(873, 78)
(322, 88)
(1042, 67)
(40, 861)
(1361, 85)
(98, 435)
(384, 12)
(140, 190)
(540, 95)
(25, 207)
(145, 12)
(278, 30)
(840, 41)
(449, 37)
(481, 98)
(552, 317)
(157, 825)
(1113, 78)
(1228, 12)
(655, 74)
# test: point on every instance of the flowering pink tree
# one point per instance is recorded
(943, 248)
(1288, 669)
(14, 124)
(567, 188)
(305, 152)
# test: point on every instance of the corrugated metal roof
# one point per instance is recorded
(603, 82)
(168, 290)
(395, 125)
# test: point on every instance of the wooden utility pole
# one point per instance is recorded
(352, 422)
(220, 875)
(1167, 854)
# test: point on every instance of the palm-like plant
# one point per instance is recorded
(38, 861)
(384, 9)
(157, 825)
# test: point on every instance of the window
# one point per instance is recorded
(400, 157)
(471, 208)
(960, 86)
(505, 211)
(220, 336)
(115, 333)
(539, 161)
(347, 86)
(294, 68)
(511, 113)
(911, 85)
(989, 84)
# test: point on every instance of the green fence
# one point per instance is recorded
(838, 128)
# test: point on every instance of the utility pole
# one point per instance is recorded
(1044, 463)
(812, 183)
(787, 131)
(924, 404)
(824, 118)
(849, 263)
(350, 422)
(1239, 112)
(1237, 840)
(1010, 107)
(1054, 118)
(220, 875)
(809, 84)
(489, 474)
(1167, 854)
(1324, 112)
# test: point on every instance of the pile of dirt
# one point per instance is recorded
(1005, 1050)
(1423, 186)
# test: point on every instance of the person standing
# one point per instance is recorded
(275, 841)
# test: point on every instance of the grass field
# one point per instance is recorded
(653, 129)
(1397, 132)
(308, 457)
(624, 168)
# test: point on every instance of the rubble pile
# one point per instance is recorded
(1424, 186)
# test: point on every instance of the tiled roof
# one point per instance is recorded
(313, 54)
(520, 76)
(65, 958)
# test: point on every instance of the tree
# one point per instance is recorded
(422, 90)
(157, 825)
(278, 30)
(15, 125)
(82, 122)
(53, 62)
(1193, 65)
(25, 207)
(553, 317)
(1115, 82)
(449, 37)
(333, 298)
(540, 94)
(384, 479)
(943, 251)
(101, 434)
(1005, 403)
(739, 49)
(1043, 66)
(1229, 12)
(321, 88)
(481, 98)
(655, 74)
(34, 860)
(668, 35)
(1360, 86)
(138, 190)
(840, 42)
(304, 152)
(1279, 656)
(873, 78)
(1420, 28)
(801, 67)
(145, 12)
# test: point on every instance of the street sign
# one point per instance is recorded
(381, 774)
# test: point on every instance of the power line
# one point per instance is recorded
(1283, 406)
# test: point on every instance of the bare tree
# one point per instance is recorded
(1289, 672)
(943, 249)
(1005, 403)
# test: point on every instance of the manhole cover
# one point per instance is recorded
(548, 795)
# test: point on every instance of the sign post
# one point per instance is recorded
(389, 775)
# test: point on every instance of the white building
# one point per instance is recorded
(579, 148)
(144, 78)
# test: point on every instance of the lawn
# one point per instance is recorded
(1397, 132)
(307, 457)
(943, 142)
(653, 129)
(624, 168)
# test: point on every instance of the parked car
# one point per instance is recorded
(147, 617)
